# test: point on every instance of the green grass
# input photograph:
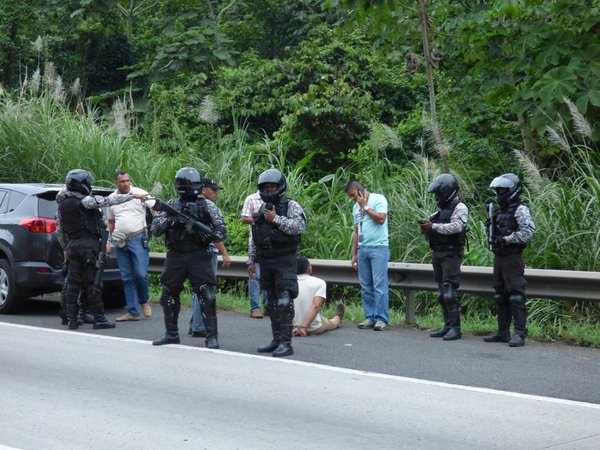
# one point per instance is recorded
(42, 138)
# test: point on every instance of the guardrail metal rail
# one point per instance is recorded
(541, 283)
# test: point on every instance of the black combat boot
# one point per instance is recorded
(276, 330)
(210, 322)
(100, 322)
(72, 313)
(62, 312)
(171, 335)
(285, 345)
(454, 332)
(442, 331)
(503, 333)
(519, 314)
(84, 315)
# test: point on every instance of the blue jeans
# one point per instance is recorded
(196, 322)
(254, 290)
(133, 262)
(373, 277)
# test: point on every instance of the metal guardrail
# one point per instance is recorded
(556, 284)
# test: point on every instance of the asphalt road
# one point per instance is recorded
(544, 369)
(62, 389)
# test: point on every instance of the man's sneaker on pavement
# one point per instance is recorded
(380, 326)
(146, 309)
(367, 324)
(127, 317)
(256, 314)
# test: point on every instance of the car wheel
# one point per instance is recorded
(113, 297)
(9, 302)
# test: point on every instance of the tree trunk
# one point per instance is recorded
(528, 143)
(430, 84)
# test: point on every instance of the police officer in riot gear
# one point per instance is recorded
(446, 233)
(276, 232)
(188, 255)
(512, 227)
(79, 228)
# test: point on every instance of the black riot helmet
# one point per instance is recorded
(507, 187)
(445, 188)
(79, 180)
(188, 183)
(271, 176)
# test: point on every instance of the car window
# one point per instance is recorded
(3, 201)
(47, 208)
(14, 200)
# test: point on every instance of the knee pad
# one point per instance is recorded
(271, 305)
(449, 294)
(72, 293)
(208, 300)
(168, 298)
(285, 305)
(500, 298)
(516, 298)
(440, 297)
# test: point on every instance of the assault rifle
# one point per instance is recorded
(101, 260)
(205, 233)
(490, 225)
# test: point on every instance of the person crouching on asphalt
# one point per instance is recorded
(446, 232)
(511, 227)
(312, 292)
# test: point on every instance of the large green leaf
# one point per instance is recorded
(555, 85)
(590, 94)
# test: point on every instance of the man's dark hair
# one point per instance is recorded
(303, 264)
(353, 184)
(118, 173)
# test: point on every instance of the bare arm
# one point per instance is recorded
(378, 217)
(223, 251)
(354, 259)
(315, 308)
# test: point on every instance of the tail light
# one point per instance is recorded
(39, 225)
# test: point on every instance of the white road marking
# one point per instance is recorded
(321, 367)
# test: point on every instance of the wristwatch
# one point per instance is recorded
(367, 207)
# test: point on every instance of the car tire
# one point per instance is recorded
(113, 297)
(9, 302)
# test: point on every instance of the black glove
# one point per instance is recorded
(498, 241)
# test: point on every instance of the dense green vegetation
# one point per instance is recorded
(325, 91)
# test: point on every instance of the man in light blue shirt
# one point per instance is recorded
(370, 253)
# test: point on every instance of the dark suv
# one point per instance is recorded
(31, 259)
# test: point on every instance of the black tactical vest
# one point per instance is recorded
(505, 224)
(446, 242)
(77, 221)
(269, 240)
(181, 239)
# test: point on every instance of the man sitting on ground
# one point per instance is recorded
(307, 306)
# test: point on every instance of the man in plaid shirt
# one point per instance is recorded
(251, 206)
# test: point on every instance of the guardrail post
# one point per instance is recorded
(410, 306)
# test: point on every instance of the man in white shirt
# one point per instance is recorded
(128, 227)
(307, 306)
(252, 204)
